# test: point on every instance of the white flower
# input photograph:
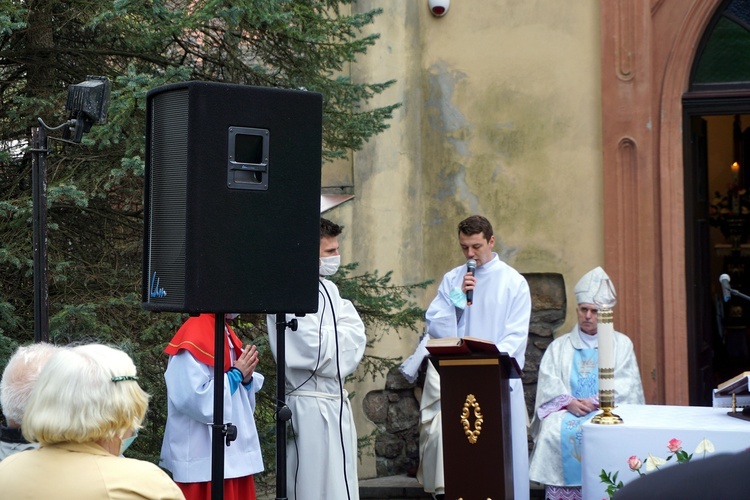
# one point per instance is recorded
(653, 463)
(705, 446)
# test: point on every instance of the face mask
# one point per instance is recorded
(329, 265)
(125, 444)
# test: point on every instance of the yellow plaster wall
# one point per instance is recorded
(500, 116)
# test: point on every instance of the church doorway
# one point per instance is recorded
(716, 134)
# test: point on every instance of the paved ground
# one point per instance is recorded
(382, 488)
(388, 488)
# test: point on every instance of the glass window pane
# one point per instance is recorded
(726, 57)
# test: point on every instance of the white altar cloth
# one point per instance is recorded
(648, 429)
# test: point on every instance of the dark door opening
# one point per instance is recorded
(716, 128)
(717, 239)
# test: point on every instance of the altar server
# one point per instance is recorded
(567, 394)
(186, 449)
(326, 348)
(500, 311)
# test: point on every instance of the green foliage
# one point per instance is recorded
(385, 308)
(95, 189)
(383, 304)
(611, 481)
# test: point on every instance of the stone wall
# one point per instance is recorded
(395, 409)
(548, 306)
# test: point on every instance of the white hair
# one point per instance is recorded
(19, 377)
(85, 393)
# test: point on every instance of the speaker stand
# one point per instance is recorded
(283, 413)
(219, 429)
(39, 152)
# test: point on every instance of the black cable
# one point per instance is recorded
(341, 391)
(296, 452)
(320, 342)
(52, 129)
(315, 370)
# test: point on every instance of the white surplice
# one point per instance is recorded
(555, 381)
(186, 449)
(500, 312)
(319, 356)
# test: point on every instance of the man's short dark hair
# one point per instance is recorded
(328, 229)
(476, 224)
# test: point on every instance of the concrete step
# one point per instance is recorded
(384, 488)
(403, 488)
(391, 488)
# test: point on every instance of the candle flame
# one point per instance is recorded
(735, 167)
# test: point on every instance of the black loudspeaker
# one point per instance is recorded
(232, 199)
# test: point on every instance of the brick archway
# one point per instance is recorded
(647, 52)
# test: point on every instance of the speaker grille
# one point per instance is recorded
(168, 199)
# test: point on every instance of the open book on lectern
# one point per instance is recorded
(467, 346)
(463, 345)
(738, 387)
(735, 385)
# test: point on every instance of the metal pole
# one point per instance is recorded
(217, 435)
(282, 413)
(39, 213)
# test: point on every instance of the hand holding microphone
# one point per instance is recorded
(471, 267)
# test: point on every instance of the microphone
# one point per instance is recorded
(725, 288)
(471, 266)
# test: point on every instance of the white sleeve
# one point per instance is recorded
(628, 385)
(516, 329)
(190, 387)
(550, 383)
(441, 314)
(313, 346)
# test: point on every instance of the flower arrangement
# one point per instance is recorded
(652, 463)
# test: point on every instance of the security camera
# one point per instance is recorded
(439, 7)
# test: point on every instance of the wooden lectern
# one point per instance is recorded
(476, 418)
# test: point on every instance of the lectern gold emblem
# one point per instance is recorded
(472, 434)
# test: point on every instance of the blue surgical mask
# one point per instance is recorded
(125, 444)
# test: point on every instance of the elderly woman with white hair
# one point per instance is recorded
(19, 377)
(85, 410)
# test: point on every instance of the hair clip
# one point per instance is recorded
(124, 377)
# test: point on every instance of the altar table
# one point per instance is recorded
(648, 429)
